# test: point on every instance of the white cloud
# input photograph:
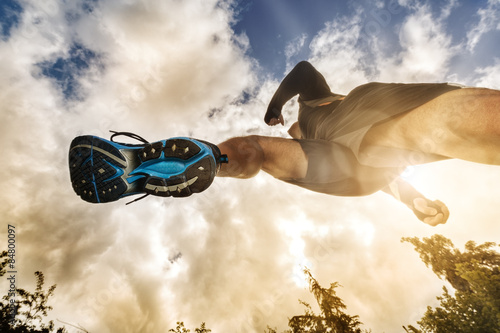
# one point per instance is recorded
(426, 50)
(293, 48)
(488, 20)
(336, 54)
(351, 51)
(167, 66)
(447, 9)
(170, 62)
(489, 76)
(426, 46)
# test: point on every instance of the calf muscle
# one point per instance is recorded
(281, 158)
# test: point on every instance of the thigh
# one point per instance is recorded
(453, 125)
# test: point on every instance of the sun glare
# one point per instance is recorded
(293, 231)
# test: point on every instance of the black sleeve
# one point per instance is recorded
(304, 80)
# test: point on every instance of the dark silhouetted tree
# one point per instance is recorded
(181, 329)
(332, 317)
(26, 314)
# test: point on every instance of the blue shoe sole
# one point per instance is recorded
(104, 171)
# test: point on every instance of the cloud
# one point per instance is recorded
(293, 48)
(488, 21)
(10, 11)
(356, 49)
(170, 63)
(426, 49)
(161, 69)
(489, 76)
(447, 9)
(335, 52)
(232, 255)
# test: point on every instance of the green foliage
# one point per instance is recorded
(474, 273)
(28, 310)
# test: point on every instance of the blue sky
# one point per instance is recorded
(272, 25)
(9, 16)
(231, 256)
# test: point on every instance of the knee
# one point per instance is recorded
(245, 157)
(303, 65)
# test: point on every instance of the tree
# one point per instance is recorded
(4, 262)
(332, 318)
(181, 329)
(475, 276)
(26, 315)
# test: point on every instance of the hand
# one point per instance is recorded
(276, 121)
(430, 212)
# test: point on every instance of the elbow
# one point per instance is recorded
(303, 66)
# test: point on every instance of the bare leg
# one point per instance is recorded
(282, 158)
(463, 123)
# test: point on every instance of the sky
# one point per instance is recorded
(233, 255)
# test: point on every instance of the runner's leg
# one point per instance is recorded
(463, 124)
(282, 158)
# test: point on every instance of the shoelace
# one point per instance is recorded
(129, 134)
(222, 158)
(135, 137)
(135, 200)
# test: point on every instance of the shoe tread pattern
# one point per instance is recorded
(202, 172)
(151, 151)
(181, 148)
(205, 171)
(96, 166)
(92, 171)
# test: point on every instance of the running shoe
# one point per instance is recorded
(104, 170)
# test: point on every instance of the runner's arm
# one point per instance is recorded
(303, 80)
(430, 212)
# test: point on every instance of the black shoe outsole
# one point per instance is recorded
(93, 164)
(98, 169)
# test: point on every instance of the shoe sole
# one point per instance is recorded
(104, 171)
